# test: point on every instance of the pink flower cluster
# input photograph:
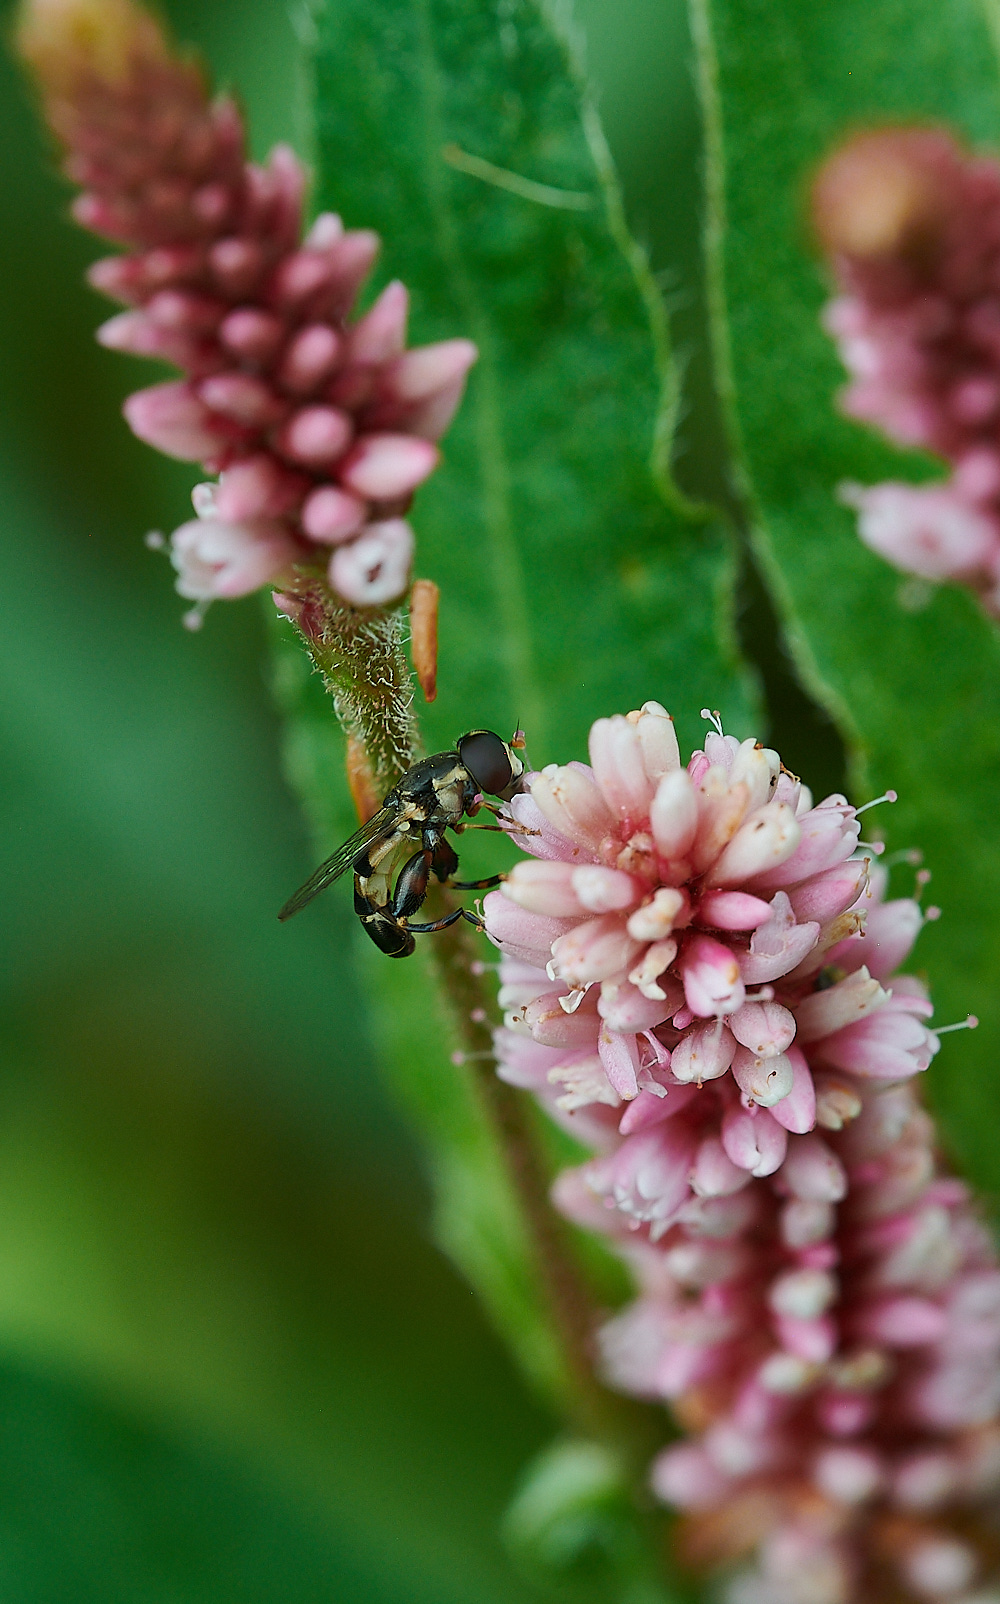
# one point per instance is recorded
(911, 223)
(699, 981)
(320, 429)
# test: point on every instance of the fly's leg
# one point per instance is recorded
(445, 858)
(478, 885)
(411, 883)
(388, 934)
(449, 919)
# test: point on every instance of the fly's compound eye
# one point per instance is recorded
(488, 760)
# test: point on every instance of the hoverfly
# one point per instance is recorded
(434, 795)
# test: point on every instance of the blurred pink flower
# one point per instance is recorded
(320, 428)
(911, 224)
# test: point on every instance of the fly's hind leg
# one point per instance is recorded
(388, 934)
(411, 883)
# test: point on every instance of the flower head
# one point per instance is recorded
(674, 930)
(816, 1300)
(320, 427)
(910, 222)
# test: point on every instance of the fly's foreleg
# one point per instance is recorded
(449, 919)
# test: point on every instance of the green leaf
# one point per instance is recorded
(915, 694)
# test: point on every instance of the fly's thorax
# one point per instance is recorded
(420, 783)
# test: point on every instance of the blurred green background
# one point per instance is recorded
(232, 1365)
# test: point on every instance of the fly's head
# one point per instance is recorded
(493, 764)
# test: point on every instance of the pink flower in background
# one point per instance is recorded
(911, 224)
(319, 427)
(701, 986)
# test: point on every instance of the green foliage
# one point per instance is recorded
(572, 1522)
(915, 693)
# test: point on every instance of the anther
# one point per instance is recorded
(478, 1016)
(911, 855)
(195, 616)
(155, 540)
(714, 717)
(875, 847)
(887, 796)
(571, 1002)
(970, 1022)
(931, 913)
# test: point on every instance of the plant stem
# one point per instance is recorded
(360, 657)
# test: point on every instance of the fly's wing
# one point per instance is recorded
(380, 824)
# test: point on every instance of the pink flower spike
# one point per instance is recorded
(386, 466)
(374, 569)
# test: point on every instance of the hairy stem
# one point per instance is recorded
(360, 657)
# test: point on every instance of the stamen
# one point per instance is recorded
(571, 1002)
(887, 796)
(970, 1022)
(195, 616)
(911, 855)
(714, 717)
(155, 540)
(458, 1059)
(875, 847)
(765, 994)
